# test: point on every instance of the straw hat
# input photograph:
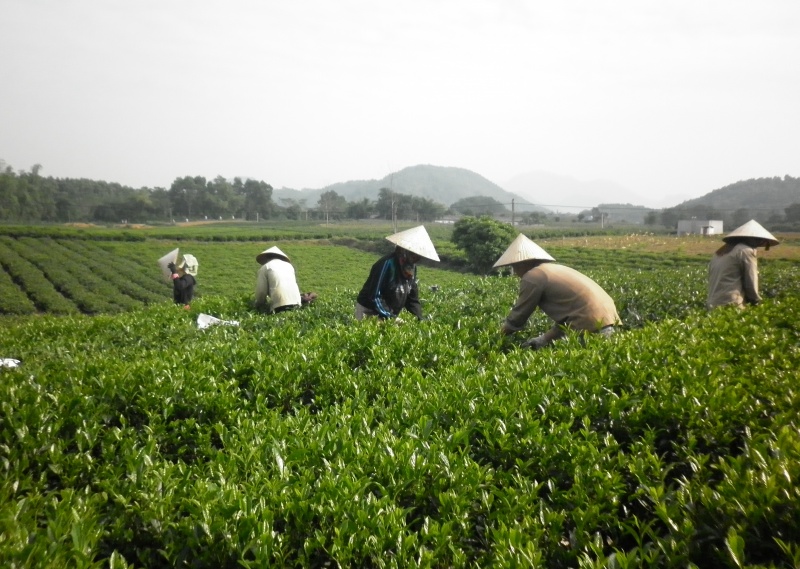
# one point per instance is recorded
(415, 240)
(752, 229)
(266, 255)
(189, 264)
(522, 249)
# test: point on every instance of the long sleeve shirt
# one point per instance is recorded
(733, 278)
(276, 280)
(387, 291)
(567, 296)
(183, 289)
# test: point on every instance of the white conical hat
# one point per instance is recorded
(522, 249)
(415, 240)
(752, 229)
(264, 256)
(189, 264)
(170, 257)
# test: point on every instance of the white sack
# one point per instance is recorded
(171, 257)
(206, 320)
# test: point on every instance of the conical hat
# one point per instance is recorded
(522, 249)
(752, 229)
(264, 256)
(189, 264)
(415, 240)
(170, 257)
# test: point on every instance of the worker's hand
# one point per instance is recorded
(533, 343)
(172, 268)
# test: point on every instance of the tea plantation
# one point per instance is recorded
(131, 438)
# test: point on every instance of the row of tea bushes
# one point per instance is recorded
(31, 282)
(70, 277)
(308, 439)
(67, 275)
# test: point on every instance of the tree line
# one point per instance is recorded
(31, 197)
(388, 205)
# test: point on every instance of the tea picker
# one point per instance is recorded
(733, 270)
(276, 283)
(181, 275)
(571, 299)
(392, 282)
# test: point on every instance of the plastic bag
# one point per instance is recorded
(171, 257)
(206, 320)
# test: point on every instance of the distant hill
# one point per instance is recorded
(762, 199)
(766, 196)
(445, 185)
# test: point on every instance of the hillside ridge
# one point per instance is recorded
(443, 184)
(447, 185)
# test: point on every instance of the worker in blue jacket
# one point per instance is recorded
(392, 282)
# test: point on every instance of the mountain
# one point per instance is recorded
(563, 193)
(766, 200)
(771, 195)
(547, 192)
(442, 184)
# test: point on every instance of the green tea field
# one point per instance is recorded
(129, 437)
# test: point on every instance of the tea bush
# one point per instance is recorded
(309, 439)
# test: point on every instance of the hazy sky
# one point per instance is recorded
(665, 98)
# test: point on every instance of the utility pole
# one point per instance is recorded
(394, 208)
(512, 212)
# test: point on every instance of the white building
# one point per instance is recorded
(699, 227)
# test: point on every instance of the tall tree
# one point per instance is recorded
(427, 209)
(162, 208)
(478, 206)
(651, 218)
(291, 208)
(384, 206)
(184, 194)
(9, 205)
(258, 202)
(331, 204)
(361, 209)
(792, 212)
